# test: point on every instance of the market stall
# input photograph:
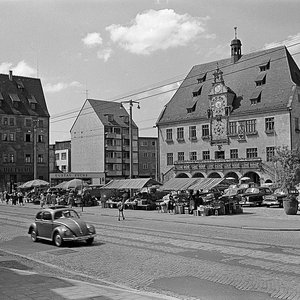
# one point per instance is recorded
(204, 197)
(137, 201)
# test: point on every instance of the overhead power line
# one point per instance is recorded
(90, 110)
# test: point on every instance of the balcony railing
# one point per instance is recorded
(219, 164)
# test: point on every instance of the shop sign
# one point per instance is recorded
(72, 175)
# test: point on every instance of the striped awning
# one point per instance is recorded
(206, 184)
(135, 184)
(180, 184)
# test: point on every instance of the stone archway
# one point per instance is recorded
(215, 175)
(182, 175)
(254, 177)
(198, 175)
(233, 175)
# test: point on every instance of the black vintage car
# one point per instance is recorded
(254, 196)
(59, 225)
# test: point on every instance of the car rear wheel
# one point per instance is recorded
(33, 236)
(90, 241)
(58, 241)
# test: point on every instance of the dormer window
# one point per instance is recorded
(265, 65)
(20, 84)
(201, 79)
(32, 102)
(110, 117)
(255, 97)
(15, 100)
(197, 91)
(191, 109)
(261, 79)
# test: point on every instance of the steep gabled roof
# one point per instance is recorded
(104, 108)
(23, 90)
(240, 77)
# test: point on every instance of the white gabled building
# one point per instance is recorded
(100, 140)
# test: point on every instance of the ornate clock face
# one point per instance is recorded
(218, 88)
(218, 106)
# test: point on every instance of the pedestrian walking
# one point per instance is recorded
(20, 198)
(14, 198)
(2, 196)
(53, 198)
(42, 199)
(71, 199)
(120, 206)
(48, 198)
(6, 197)
(170, 203)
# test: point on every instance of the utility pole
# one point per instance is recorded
(131, 102)
(34, 136)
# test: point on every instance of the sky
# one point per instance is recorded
(141, 50)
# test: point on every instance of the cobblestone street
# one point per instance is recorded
(176, 255)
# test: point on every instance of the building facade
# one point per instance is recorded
(63, 156)
(228, 116)
(24, 129)
(148, 150)
(100, 140)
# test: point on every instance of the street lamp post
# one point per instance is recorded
(34, 137)
(130, 102)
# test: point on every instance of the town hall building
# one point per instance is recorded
(228, 116)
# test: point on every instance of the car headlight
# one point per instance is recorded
(67, 232)
(90, 228)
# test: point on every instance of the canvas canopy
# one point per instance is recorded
(180, 184)
(135, 184)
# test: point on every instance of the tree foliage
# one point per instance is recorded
(287, 166)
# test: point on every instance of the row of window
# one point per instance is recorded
(246, 126)
(28, 137)
(146, 166)
(28, 158)
(11, 121)
(234, 154)
(61, 156)
(146, 143)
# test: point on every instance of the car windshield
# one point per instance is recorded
(66, 214)
(252, 190)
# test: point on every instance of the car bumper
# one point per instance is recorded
(79, 238)
(250, 203)
(272, 202)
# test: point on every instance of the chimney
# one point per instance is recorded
(10, 75)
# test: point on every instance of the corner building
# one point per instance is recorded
(24, 131)
(228, 116)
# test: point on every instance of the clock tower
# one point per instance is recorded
(220, 106)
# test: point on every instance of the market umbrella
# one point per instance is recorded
(245, 178)
(60, 185)
(74, 184)
(33, 183)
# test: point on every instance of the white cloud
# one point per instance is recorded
(289, 42)
(92, 39)
(57, 87)
(157, 30)
(104, 54)
(21, 68)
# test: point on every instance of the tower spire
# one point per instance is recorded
(236, 48)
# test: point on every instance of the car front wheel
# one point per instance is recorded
(58, 241)
(90, 241)
(34, 236)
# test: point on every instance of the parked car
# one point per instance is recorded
(276, 198)
(255, 195)
(232, 194)
(59, 225)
